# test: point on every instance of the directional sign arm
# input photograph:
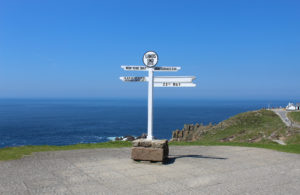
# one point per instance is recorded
(144, 68)
(134, 79)
(167, 68)
(174, 84)
(181, 79)
(134, 68)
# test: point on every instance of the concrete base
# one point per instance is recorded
(150, 150)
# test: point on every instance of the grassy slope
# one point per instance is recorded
(295, 116)
(256, 126)
(251, 129)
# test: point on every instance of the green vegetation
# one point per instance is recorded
(257, 126)
(294, 116)
(11, 153)
(262, 126)
(249, 129)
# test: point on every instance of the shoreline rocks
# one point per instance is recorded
(130, 137)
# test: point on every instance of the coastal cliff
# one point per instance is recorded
(254, 126)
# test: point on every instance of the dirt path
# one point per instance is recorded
(283, 115)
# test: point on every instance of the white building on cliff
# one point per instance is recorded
(290, 106)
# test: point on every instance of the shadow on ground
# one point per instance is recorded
(172, 158)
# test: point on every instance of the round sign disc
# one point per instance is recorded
(150, 59)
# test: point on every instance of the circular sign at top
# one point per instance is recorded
(150, 59)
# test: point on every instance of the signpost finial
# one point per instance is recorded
(150, 59)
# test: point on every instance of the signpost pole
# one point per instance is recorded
(150, 104)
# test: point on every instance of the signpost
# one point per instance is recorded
(150, 59)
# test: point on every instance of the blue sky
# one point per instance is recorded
(74, 49)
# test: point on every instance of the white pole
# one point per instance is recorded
(150, 106)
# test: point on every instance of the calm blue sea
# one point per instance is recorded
(64, 122)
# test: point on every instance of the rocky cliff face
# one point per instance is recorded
(191, 132)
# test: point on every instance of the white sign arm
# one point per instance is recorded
(174, 84)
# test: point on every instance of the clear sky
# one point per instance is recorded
(74, 49)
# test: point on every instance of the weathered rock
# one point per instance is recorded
(142, 143)
(191, 132)
(150, 150)
(147, 154)
(129, 138)
(150, 143)
(143, 136)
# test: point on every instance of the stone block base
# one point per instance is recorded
(150, 150)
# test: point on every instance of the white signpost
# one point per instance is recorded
(150, 60)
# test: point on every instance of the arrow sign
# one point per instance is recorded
(167, 68)
(134, 79)
(144, 68)
(174, 84)
(181, 79)
(135, 68)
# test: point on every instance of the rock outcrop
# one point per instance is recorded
(191, 132)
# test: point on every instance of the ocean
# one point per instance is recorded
(72, 121)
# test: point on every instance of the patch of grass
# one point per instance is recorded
(249, 129)
(294, 116)
(291, 148)
(11, 153)
(295, 139)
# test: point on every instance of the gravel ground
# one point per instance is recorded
(190, 170)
